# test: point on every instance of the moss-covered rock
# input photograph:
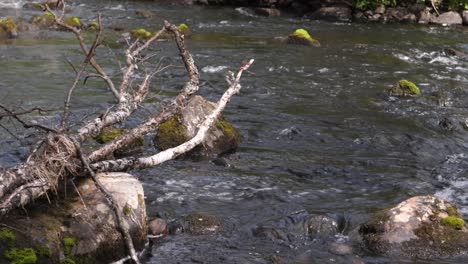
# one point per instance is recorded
(44, 20)
(404, 88)
(222, 137)
(21, 256)
(73, 21)
(302, 37)
(184, 29)
(8, 28)
(93, 26)
(171, 133)
(423, 226)
(141, 33)
(108, 134)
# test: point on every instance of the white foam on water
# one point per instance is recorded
(213, 69)
(244, 11)
(11, 3)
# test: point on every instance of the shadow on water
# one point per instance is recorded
(320, 135)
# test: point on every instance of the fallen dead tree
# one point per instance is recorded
(58, 158)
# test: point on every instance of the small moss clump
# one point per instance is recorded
(47, 19)
(452, 211)
(453, 221)
(7, 236)
(73, 21)
(8, 24)
(183, 28)
(68, 244)
(301, 36)
(21, 256)
(126, 210)
(140, 33)
(108, 134)
(93, 26)
(43, 251)
(404, 88)
(171, 133)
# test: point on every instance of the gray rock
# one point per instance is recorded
(447, 18)
(400, 14)
(465, 17)
(158, 227)
(423, 227)
(425, 16)
(332, 13)
(201, 224)
(380, 10)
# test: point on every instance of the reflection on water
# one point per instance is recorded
(319, 133)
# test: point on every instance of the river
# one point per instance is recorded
(320, 135)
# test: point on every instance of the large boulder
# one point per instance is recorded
(447, 18)
(77, 228)
(221, 138)
(8, 28)
(423, 227)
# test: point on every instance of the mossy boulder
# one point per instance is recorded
(425, 227)
(73, 21)
(43, 21)
(141, 33)
(93, 26)
(404, 88)
(110, 133)
(223, 137)
(78, 229)
(302, 37)
(8, 28)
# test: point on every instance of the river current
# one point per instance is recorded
(319, 134)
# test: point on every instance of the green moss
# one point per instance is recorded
(108, 134)
(404, 88)
(452, 211)
(43, 251)
(93, 26)
(21, 256)
(8, 24)
(7, 236)
(409, 87)
(453, 221)
(183, 28)
(171, 133)
(140, 33)
(126, 210)
(73, 21)
(44, 19)
(229, 130)
(67, 260)
(68, 244)
(301, 36)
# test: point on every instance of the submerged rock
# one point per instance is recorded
(268, 12)
(422, 226)
(404, 88)
(222, 137)
(158, 227)
(145, 13)
(200, 224)
(79, 229)
(302, 37)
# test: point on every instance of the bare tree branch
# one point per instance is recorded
(169, 154)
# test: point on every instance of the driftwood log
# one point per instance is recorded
(57, 160)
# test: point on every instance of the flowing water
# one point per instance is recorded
(320, 136)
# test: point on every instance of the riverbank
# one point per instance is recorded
(422, 12)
